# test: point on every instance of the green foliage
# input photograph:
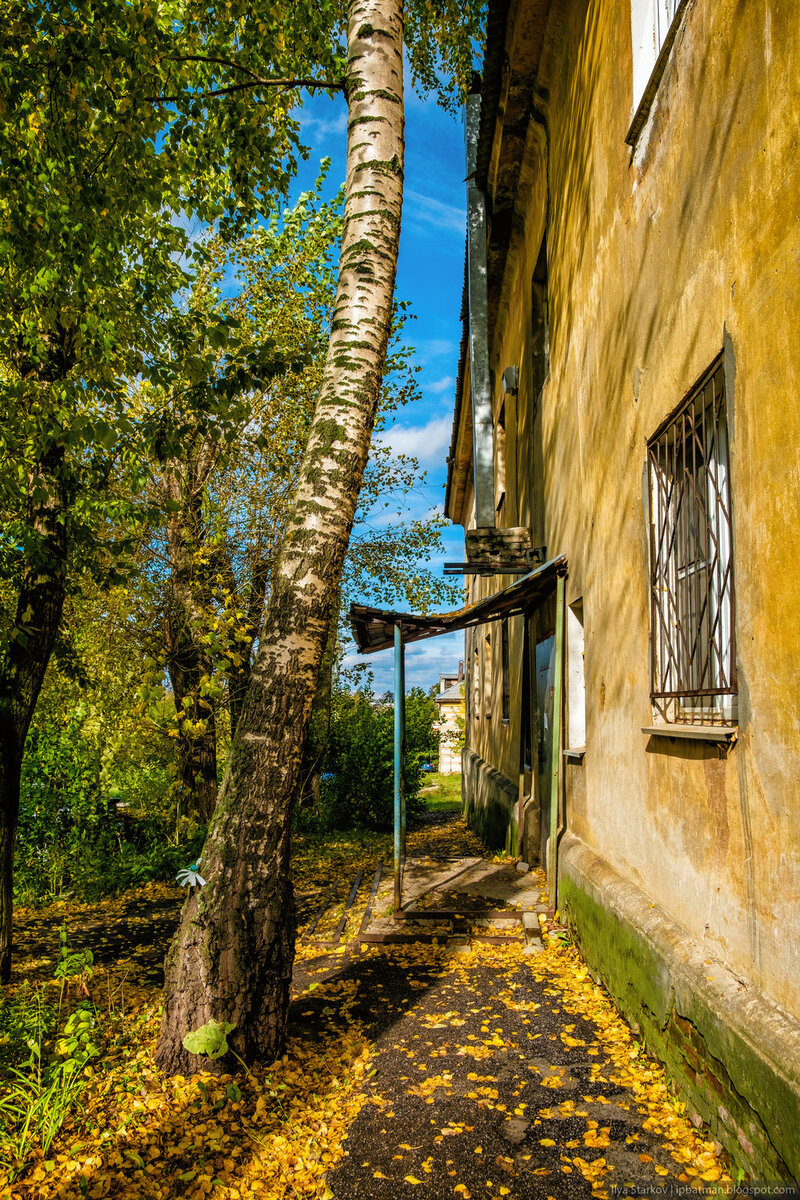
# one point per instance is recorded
(45, 1052)
(358, 778)
(443, 792)
(120, 127)
(210, 1039)
(71, 840)
(443, 40)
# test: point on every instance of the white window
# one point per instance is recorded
(576, 682)
(653, 25)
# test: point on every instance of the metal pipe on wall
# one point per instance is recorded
(399, 763)
(555, 777)
(482, 423)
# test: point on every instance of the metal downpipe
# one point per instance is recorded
(482, 422)
(555, 778)
(399, 763)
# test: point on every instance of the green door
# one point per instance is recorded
(545, 687)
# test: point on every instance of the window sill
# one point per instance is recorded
(575, 755)
(649, 94)
(701, 733)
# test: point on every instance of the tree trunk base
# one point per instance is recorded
(231, 960)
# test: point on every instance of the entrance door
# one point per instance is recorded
(545, 686)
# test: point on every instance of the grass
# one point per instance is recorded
(442, 792)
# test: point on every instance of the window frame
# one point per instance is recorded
(693, 679)
(652, 37)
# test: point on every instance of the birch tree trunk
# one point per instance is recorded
(232, 957)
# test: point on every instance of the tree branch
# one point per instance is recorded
(210, 58)
(333, 85)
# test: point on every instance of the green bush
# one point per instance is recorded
(357, 788)
(44, 1051)
(71, 838)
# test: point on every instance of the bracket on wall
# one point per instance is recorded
(495, 555)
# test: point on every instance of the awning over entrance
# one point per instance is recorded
(378, 629)
(373, 628)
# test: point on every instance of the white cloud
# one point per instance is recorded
(428, 348)
(429, 442)
(431, 215)
(440, 385)
(425, 661)
(319, 129)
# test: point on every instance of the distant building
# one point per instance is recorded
(628, 406)
(450, 699)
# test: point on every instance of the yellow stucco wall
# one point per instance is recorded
(656, 259)
(447, 723)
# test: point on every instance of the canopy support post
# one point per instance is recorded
(399, 763)
(555, 778)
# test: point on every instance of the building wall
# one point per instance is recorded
(447, 723)
(659, 259)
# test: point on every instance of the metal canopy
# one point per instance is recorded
(373, 628)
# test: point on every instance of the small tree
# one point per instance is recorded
(358, 787)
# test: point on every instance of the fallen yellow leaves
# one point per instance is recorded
(278, 1133)
(281, 1136)
(598, 1139)
(626, 1067)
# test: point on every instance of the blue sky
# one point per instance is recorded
(430, 276)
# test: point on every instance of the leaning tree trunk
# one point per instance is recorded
(232, 956)
(40, 602)
(187, 611)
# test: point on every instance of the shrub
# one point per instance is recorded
(71, 839)
(357, 787)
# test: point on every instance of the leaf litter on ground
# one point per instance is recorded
(291, 1128)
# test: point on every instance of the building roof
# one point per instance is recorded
(451, 695)
(373, 628)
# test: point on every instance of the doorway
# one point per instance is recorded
(545, 668)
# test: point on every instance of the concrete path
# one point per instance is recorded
(498, 1072)
(490, 1082)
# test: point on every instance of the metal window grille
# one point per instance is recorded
(693, 665)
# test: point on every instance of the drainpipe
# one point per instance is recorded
(399, 762)
(482, 425)
(555, 778)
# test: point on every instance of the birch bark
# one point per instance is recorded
(232, 957)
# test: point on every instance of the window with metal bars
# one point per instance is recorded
(693, 655)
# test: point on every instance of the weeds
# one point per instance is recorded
(47, 1054)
